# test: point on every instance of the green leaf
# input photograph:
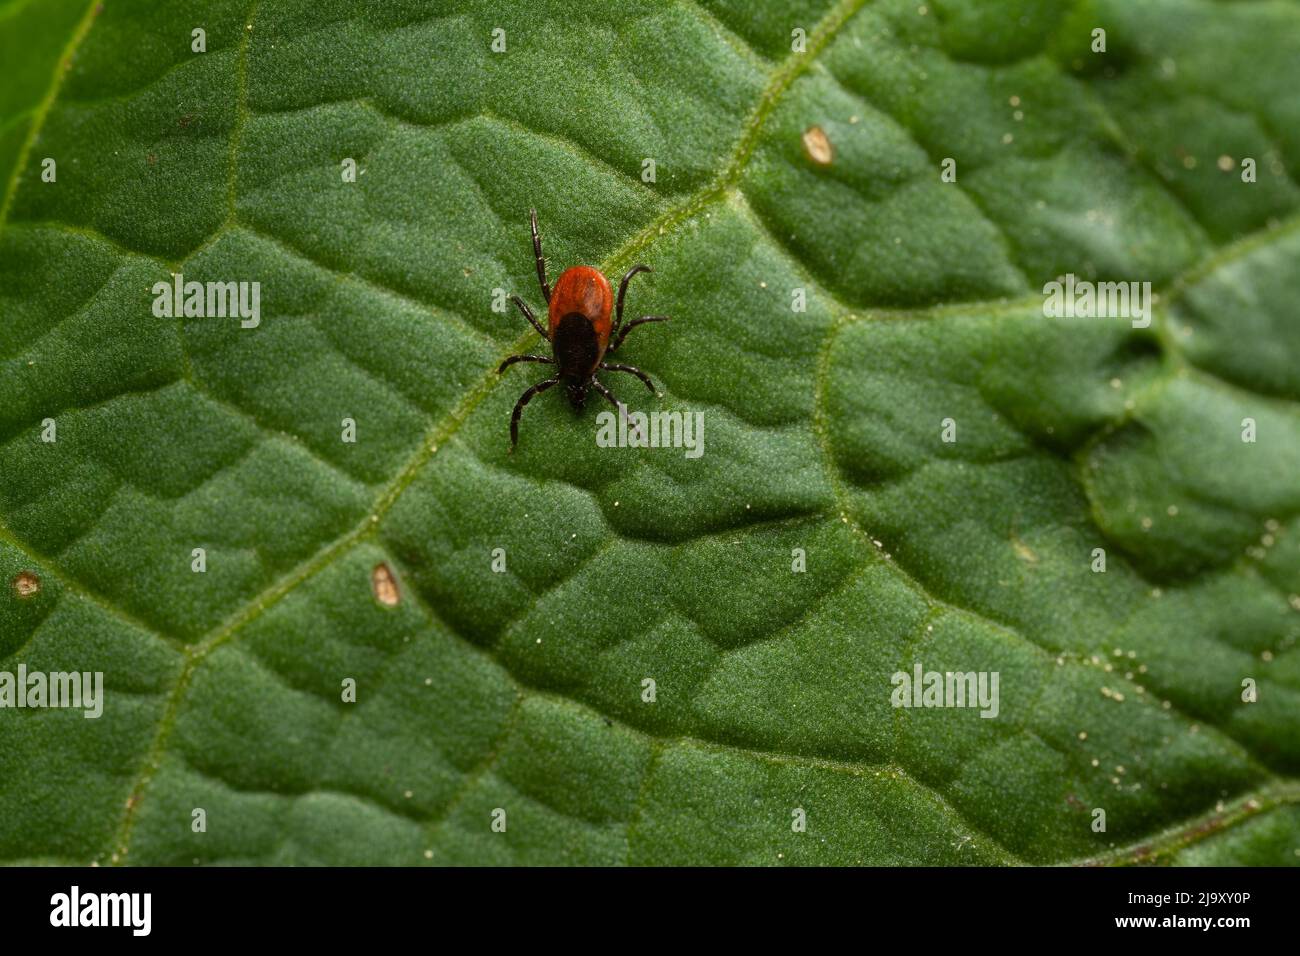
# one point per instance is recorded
(523, 690)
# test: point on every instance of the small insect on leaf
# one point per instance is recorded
(580, 330)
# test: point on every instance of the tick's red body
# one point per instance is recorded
(579, 329)
(581, 306)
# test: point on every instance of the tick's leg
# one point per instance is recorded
(631, 369)
(607, 393)
(622, 334)
(622, 291)
(541, 263)
(528, 314)
(622, 412)
(524, 358)
(524, 399)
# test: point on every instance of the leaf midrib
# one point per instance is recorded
(61, 66)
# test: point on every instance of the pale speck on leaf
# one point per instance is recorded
(384, 585)
(817, 146)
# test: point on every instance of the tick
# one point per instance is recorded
(580, 333)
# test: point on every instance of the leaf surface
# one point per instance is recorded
(523, 690)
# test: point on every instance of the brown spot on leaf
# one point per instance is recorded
(185, 120)
(817, 146)
(384, 583)
(26, 584)
(151, 159)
